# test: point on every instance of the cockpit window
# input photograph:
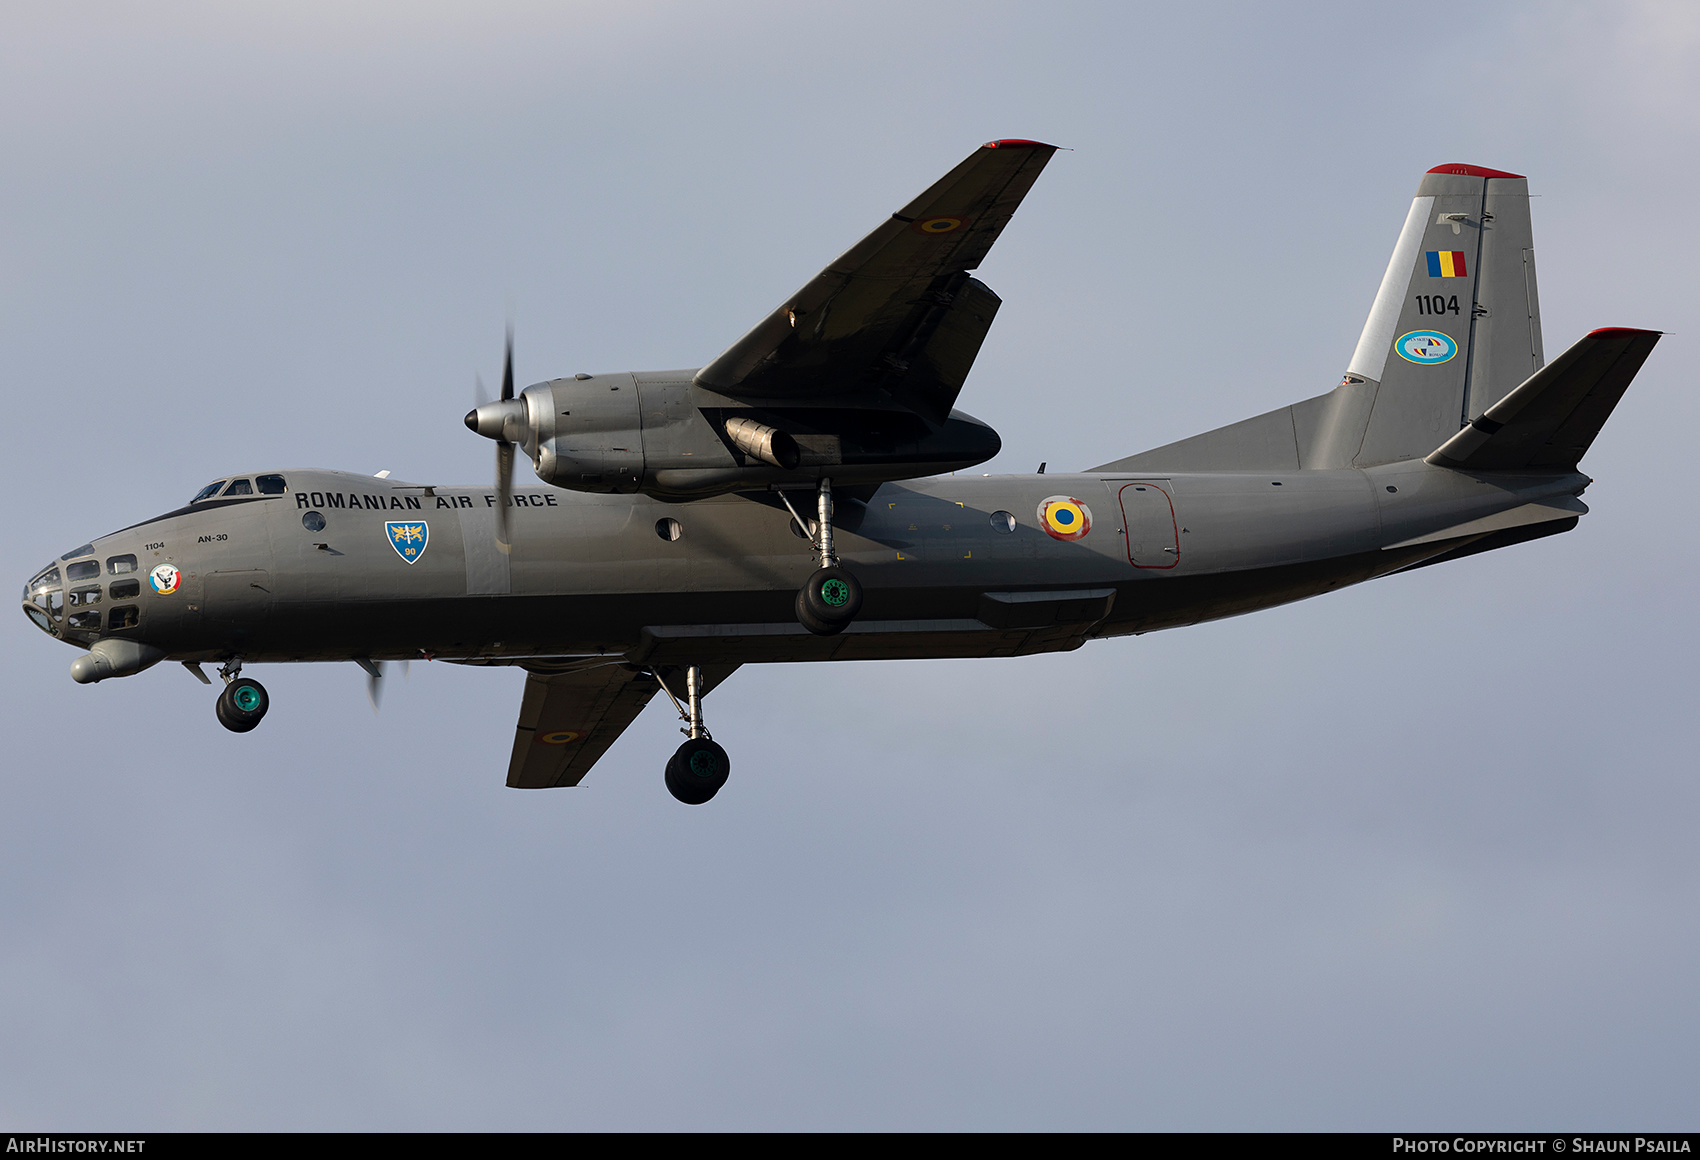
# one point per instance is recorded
(239, 487)
(118, 565)
(208, 491)
(85, 550)
(86, 596)
(125, 617)
(125, 589)
(82, 570)
(48, 579)
(85, 619)
(270, 484)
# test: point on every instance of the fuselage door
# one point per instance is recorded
(1148, 514)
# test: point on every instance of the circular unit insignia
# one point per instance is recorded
(165, 578)
(559, 737)
(1425, 346)
(939, 225)
(1065, 518)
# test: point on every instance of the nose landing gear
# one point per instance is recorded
(243, 703)
(832, 597)
(699, 767)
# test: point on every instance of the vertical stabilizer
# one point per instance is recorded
(1455, 325)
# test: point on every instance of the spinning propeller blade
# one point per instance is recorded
(505, 454)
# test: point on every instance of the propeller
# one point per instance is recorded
(505, 452)
(375, 677)
(503, 420)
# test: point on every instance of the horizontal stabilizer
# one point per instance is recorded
(1549, 421)
(1546, 511)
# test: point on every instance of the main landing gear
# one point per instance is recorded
(832, 597)
(699, 767)
(243, 702)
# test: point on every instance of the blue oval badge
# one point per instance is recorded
(1425, 346)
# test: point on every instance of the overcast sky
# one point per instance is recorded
(1419, 854)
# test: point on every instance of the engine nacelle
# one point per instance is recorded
(587, 434)
(661, 434)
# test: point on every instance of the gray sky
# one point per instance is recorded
(1418, 854)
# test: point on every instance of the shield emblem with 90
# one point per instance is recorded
(409, 538)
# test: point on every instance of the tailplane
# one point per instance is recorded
(1548, 422)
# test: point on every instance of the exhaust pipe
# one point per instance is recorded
(768, 444)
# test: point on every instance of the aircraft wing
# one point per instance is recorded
(567, 720)
(898, 311)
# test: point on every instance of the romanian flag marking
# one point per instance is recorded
(1446, 263)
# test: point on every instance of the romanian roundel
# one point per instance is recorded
(934, 226)
(1065, 518)
(559, 737)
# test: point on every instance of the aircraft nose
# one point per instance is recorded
(44, 599)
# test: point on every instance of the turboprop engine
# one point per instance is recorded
(666, 436)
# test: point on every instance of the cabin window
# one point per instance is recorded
(55, 604)
(270, 484)
(125, 617)
(40, 619)
(82, 570)
(239, 487)
(208, 491)
(669, 528)
(118, 565)
(82, 596)
(85, 619)
(1003, 522)
(85, 550)
(313, 521)
(48, 579)
(125, 589)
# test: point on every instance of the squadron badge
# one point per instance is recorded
(409, 538)
(1065, 518)
(1425, 346)
(165, 578)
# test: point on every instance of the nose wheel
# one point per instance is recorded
(699, 767)
(243, 703)
(832, 597)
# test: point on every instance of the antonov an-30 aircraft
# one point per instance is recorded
(790, 500)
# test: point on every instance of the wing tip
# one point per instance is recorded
(1606, 333)
(1458, 169)
(1016, 143)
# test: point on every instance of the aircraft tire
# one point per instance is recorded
(807, 619)
(697, 770)
(829, 601)
(242, 705)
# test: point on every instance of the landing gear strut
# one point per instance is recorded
(832, 597)
(243, 702)
(699, 767)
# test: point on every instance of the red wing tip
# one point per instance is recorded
(1606, 332)
(1458, 170)
(1016, 143)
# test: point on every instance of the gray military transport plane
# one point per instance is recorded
(791, 501)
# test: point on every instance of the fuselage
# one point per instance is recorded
(337, 566)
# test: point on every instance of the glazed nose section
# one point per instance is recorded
(44, 599)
